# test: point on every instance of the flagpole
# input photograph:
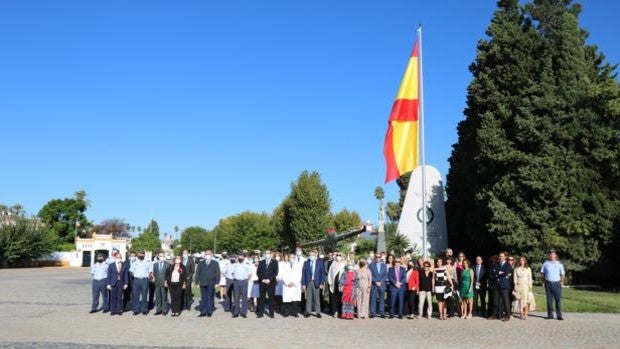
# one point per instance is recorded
(422, 148)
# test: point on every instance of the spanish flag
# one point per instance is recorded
(401, 141)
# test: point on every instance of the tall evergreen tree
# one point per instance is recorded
(308, 208)
(531, 169)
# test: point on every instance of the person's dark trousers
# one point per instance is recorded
(335, 300)
(207, 302)
(240, 290)
(188, 297)
(161, 299)
(411, 303)
(229, 294)
(504, 295)
(554, 295)
(397, 296)
(266, 290)
(139, 295)
(151, 295)
(127, 294)
(176, 297)
(377, 298)
(99, 288)
(290, 309)
(480, 296)
(494, 307)
(116, 299)
(313, 298)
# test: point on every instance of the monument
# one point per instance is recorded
(410, 223)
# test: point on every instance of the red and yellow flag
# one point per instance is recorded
(401, 141)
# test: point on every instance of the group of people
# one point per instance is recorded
(382, 285)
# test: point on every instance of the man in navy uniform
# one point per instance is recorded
(142, 271)
(99, 271)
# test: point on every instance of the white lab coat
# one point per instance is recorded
(292, 275)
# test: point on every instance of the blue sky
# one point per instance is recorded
(190, 111)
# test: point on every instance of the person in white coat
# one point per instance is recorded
(291, 292)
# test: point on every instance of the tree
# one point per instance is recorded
(246, 230)
(65, 217)
(117, 227)
(397, 243)
(379, 194)
(308, 208)
(531, 168)
(365, 246)
(196, 239)
(393, 211)
(346, 220)
(23, 238)
(148, 239)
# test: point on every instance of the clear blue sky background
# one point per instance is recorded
(190, 111)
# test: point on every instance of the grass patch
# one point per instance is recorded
(581, 301)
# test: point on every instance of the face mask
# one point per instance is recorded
(100, 260)
(184, 255)
(338, 258)
(291, 259)
(267, 255)
(349, 267)
(118, 260)
(255, 260)
(278, 258)
(233, 260)
(208, 257)
(241, 260)
(178, 261)
(313, 258)
(132, 258)
(140, 257)
(298, 252)
(161, 259)
(321, 256)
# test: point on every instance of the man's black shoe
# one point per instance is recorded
(158, 313)
(400, 317)
(202, 315)
(306, 315)
(271, 316)
(92, 311)
(209, 314)
(136, 313)
(560, 318)
(295, 315)
(105, 311)
(371, 316)
(145, 313)
(259, 315)
(235, 316)
(383, 316)
(244, 316)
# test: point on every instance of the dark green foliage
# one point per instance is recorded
(536, 163)
(365, 246)
(60, 217)
(195, 239)
(345, 220)
(148, 239)
(305, 214)
(24, 238)
(247, 230)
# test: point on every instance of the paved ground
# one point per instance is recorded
(48, 308)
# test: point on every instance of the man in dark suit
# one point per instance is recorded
(398, 287)
(190, 269)
(266, 272)
(312, 278)
(207, 276)
(118, 279)
(160, 270)
(378, 270)
(480, 287)
(504, 274)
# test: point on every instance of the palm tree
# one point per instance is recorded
(379, 194)
(397, 243)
